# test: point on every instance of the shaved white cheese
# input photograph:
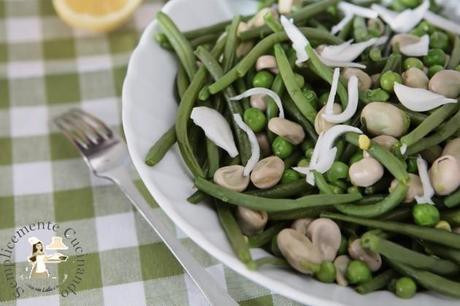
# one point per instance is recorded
(330, 100)
(351, 10)
(333, 63)
(443, 23)
(406, 20)
(345, 20)
(299, 41)
(419, 48)
(352, 106)
(403, 149)
(215, 127)
(357, 10)
(428, 190)
(347, 52)
(324, 153)
(255, 149)
(262, 91)
(419, 99)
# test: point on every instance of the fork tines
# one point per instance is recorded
(83, 129)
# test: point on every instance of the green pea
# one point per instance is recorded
(417, 32)
(412, 165)
(388, 79)
(299, 79)
(435, 57)
(457, 68)
(337, 190)
(434, 69)
(289, 176)
(405, 287)
(410, 3)
(358, 272)
(326, 273)
(337, 171)
(263, 79)
(356, 157)
(340, 183)
(425, 27)
(311, 97)
(439, 40)
(303, 162)
(425, 215)
(343, 249)
(375, 54)
(412, 62)
(353, 189)
(282, 148)
(377, 94)
(255, 119)
(309, 153)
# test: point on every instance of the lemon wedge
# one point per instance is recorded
(95, 15)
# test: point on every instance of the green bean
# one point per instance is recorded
(183, 115)
(180, 44)
(271, 205)
(298, 16)
(415, 117)
(161, 147)
(345, 32)
(212, 65)
(291, 85)
(385, 157)
(205, 39)
(371, 199)
(455, 55)
(230, 44)
(260, 49)
(399, 214)
(296, 214)
(291, 108)
(377, 209)
(181, 82)
(425, 233)
(262, 238)
(429, 280)
(274, 24)
(212, 29)
(238, 242)
(378, 282)
(451, 216)
(293, 159)
(407, 256)
(326, 73)
(321, 183)
(453, 199)
(442, 251)
(197, 197)
(271, 261)
(393, 63)
(213, 157)
(439, 136)
(282, 191)
(430, 123)
(360, 32)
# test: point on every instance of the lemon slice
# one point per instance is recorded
(95, 15)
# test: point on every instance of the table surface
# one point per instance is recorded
(47, 68)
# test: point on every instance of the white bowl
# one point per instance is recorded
(149, 109)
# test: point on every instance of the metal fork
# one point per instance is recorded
(107, 157)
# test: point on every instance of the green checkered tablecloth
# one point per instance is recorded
(47, 68)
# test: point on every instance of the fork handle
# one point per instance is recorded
(208, 286)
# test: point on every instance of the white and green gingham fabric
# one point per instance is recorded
(47, 68)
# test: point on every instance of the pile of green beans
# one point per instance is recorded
(372, 189)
